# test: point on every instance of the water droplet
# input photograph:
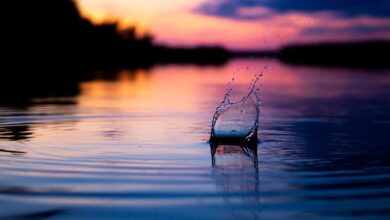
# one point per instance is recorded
(238, 119)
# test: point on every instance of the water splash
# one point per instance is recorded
(238, 121)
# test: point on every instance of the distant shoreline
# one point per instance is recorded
(364, 54)
(59, 77)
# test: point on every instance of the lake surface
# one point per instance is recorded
(134, 145)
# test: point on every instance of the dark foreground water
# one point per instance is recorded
(134, 146)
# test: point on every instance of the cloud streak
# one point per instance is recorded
(354, 29)
(344, 8)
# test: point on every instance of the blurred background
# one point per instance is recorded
(106, 108)
(86, 35)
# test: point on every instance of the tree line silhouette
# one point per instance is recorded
(363, 55)
(48, 47)
(52, 32)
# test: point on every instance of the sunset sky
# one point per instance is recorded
(246, 24)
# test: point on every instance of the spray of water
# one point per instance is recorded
(238, 121)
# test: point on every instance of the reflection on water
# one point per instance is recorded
(134, 145)
(15, 133)
(247, 149)
(235, 169)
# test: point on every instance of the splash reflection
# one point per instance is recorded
(235, 170)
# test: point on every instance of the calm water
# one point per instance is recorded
(135, 146)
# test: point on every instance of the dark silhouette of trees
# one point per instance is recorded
(52, 32)
(370, 54)
(47, 47)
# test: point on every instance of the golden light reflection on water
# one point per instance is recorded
(172, 102)
(173, 90)
(168, 89)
